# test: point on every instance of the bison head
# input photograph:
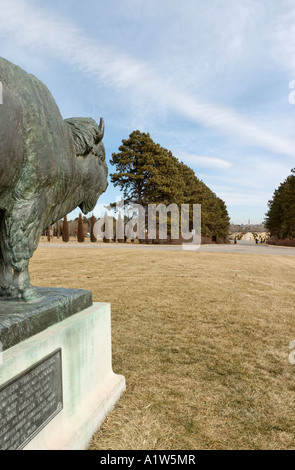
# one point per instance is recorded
(87, 136)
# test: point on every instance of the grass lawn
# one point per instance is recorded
(201, 338)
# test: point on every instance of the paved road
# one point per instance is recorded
(240, 247)
(249, 249)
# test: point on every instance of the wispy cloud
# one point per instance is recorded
(243, 179)
(40, 30)
(282, 37)
(204, 161)
(238, 198)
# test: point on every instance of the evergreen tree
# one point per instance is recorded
(144, 171)
(65, 230)
(108, 228)
(149, 174)
(214, 215)
(92, 223)
(120, 229)
(81, 234)
(57, 230)
(280, 218)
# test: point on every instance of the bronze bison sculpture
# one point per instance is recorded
(48, 167)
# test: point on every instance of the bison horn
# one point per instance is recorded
(101, 128)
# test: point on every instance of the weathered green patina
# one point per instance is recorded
(20, 320)
(48, 167)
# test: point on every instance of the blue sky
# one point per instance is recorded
(208, 80)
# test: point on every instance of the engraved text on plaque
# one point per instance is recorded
(29, 401)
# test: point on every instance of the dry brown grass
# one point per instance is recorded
(201, 338)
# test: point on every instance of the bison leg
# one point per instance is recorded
(22, 284)
(21, 232)
(6, 279)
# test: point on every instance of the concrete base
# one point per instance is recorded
(90, 387)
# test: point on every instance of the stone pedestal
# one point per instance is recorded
(56, 385)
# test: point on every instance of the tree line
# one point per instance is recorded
(61, 229)
(280, 218)
(147, 173)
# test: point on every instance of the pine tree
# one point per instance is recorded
(150, 174)
(92, 223)
(144, 171)
(120, 229)
(108, 229)
(280, 218)
(65, 230)
(81, 234)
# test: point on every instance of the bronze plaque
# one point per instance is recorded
(29, 401)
